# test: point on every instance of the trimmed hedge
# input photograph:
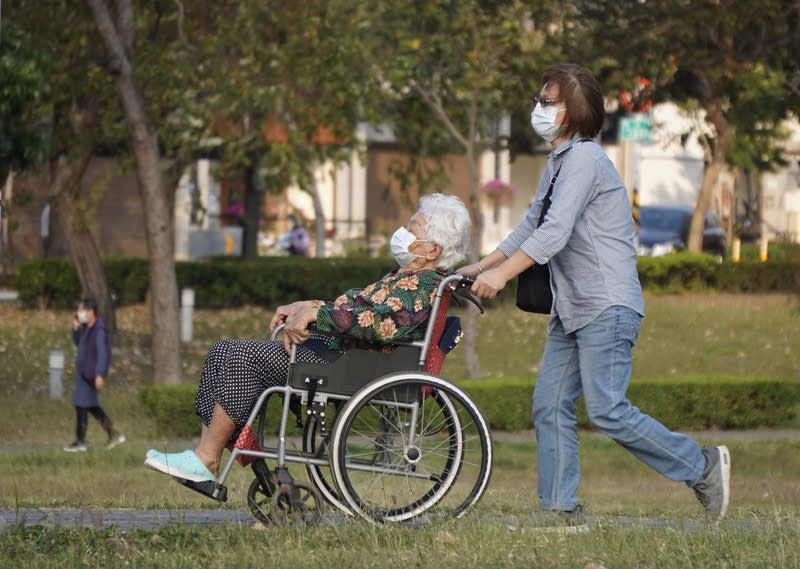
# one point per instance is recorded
(217, 283)
(172, 407)
(686, 404)
(269, 281)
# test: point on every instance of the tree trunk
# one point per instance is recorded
(319, 221)
(724, 133)
(5, 234)
(252, 211)
(65, 186)
(471, 323)
(118, 41)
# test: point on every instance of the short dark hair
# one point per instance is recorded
(89, 303)
(581, 91)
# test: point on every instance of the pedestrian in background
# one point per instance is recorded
(92, 361)
(587, 236)
(299, 240)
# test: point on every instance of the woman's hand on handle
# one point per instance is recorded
(489, 283)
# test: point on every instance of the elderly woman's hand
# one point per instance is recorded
(296, 331)
(282, 313)
(472, 270)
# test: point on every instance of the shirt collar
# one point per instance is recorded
(566, 145)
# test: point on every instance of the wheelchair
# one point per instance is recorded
(384, 438)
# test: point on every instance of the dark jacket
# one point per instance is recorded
(93, 359)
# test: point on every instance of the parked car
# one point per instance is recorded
(665, 228)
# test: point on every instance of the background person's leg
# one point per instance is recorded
(102, 418)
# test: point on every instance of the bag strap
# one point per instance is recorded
(547, 200)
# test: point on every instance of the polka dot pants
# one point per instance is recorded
(236, 373)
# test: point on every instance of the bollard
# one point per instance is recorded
(736, 250)
(56, 366)
(762, 254)
(187, 309)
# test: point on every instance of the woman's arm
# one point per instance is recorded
(390, 309)
(488, 262)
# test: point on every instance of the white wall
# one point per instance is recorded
(665, 171)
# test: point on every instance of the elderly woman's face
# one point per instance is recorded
(416, 225)
(428, 250)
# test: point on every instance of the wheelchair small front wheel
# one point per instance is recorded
(410, 444)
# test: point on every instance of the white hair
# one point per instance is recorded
(448, 224)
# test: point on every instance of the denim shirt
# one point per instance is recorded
(587, 236)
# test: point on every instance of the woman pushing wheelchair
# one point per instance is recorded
(398, 305)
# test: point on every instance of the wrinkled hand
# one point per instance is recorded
(488, 283)
(296, 330)
(472, 270)
(99, 382)
(284, 312)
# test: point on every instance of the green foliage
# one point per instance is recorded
(47, 282)
(683, 271)
(678, 271)
(217, 283)
(172, 406)
(24, 133)
(688, 404)
(270, 281)
(127, 277)
(276, 280)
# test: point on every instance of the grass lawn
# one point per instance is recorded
(682, 336)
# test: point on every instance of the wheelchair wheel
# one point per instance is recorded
(315, 441)
(259, 500)
(410, 444)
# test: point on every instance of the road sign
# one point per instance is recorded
(636, 129)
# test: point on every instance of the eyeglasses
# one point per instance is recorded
(544, 101)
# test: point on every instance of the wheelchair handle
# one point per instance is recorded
(460, 285)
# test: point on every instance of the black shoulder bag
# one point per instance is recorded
(533, 284)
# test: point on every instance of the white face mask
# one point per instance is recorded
(401, 240)
(543, 121)
(82, 317)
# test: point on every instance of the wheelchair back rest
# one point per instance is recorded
(353, 370)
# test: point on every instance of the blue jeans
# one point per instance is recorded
(596, 361)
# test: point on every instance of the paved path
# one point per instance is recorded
(127, 519)
(124, 520)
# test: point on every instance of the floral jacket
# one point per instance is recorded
(396, 306)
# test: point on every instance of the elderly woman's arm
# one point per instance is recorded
(390, 309)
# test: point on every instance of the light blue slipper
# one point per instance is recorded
(184, 465)
(153, 452)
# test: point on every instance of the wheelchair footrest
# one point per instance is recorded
(208, 488)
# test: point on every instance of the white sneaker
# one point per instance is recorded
(75, 447)
(114, 441)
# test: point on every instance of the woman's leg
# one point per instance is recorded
(605, 348)
(81, 424)
(105, 422)
(557, 388)
(213, 439)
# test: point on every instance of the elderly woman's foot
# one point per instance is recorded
(185, 465)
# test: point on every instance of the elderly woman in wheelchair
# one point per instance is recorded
(347, 366)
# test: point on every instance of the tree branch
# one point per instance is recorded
(118, 61)
(436, 105)
(126, 25)
(181, 35)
